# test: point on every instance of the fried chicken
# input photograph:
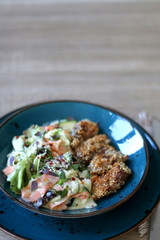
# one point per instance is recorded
(87, 149)
(82, 131)
(110, 181)
(106, 164)
(102, 162)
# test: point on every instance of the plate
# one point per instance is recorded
(124, 136)
(105, 226)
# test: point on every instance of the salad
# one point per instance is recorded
(65, 165)
(42, 169)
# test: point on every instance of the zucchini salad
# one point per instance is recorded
(66, 165)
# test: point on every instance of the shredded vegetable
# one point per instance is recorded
(41, 168)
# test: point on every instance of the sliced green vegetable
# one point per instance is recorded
(67, 125)
(68, 157)
(62, 178)
(20, 177)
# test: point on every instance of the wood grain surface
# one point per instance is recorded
(105, 52)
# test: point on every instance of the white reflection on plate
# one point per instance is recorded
(123, 132)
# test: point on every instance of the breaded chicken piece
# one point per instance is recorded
(111, 181)
(87, 149)
(102, 162)
(82, 131)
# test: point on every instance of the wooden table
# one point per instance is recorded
(105, 52)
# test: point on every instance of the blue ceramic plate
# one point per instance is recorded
(105, 226)
(123, 134)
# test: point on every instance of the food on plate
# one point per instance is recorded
(65, 165)
(85, 150)
(110, 181)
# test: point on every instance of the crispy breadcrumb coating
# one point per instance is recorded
(82, 131)
(87, 149)
(110, 181)
(102, 162)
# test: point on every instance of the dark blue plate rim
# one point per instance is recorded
(79, 215)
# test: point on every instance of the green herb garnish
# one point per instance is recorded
(62, 193)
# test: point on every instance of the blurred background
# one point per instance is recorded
(105, 52)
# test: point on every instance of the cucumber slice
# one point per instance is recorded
(75, 187)
(67, 125)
